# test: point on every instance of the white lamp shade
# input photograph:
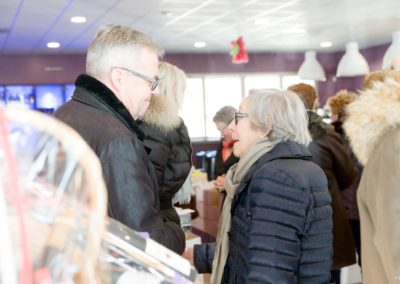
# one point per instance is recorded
(352, 62)
(311, 69)
(393, 52)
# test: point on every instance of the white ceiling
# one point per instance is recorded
(286, 25)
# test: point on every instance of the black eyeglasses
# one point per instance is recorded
(153, 81)
(239, 115)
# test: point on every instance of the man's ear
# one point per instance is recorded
(116, 79)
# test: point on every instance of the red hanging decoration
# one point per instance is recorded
(238, 51)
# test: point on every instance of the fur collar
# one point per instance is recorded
(102, 93)
(374, 114)
(163, 114)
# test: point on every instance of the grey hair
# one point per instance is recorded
(173, 82)
(281, 112)
(109, 47)
(225, 115)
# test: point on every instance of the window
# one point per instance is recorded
(206, 94)
(219, 92)
(192, 110)
(287, 81)
(261, 82)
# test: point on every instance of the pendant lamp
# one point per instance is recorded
(352, 62)
(393, 52)
(311, 69)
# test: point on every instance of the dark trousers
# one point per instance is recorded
(335, 276)
(355, 227)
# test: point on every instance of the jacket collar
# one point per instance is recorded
(101, 93)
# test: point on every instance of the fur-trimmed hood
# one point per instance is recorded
(375, 113)
(163, 113)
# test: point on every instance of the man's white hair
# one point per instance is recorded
(112, 44)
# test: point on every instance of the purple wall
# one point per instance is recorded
(26, 69)
(30, 69)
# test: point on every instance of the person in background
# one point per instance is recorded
(373, 127)
(121, 77)
(168, 138)
(276, 222)
(329, 151)
(337, 105)
(225, 157)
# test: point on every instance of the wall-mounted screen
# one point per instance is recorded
(20, 95)
(69, 91)
(49, 96)
(2, 95)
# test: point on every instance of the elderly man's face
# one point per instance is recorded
(136, 92)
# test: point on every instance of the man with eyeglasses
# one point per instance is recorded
(121, 77)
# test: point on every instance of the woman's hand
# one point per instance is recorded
(188, 254)
(219, 183)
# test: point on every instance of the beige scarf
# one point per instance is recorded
(232, 181)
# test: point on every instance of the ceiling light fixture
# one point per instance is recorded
(200, 44)
(53, 44)
(311, 69)
(393, 52)
(352, 62)
(78, 20)
(325, 44)
(167, 14)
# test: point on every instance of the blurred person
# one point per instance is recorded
(379, 75)
(168, 138)
(121, 77)
(276, 223)
(225, 157)
(373, 127)
(337, 105)
(330, 153)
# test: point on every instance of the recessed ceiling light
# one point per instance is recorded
(200, 44)
(53, 44)
(325, 44)
(78, 19)
(167, 14)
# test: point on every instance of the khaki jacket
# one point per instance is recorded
(373, 127)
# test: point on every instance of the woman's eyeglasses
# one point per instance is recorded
(240, 115)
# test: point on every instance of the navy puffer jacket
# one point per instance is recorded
(281, 221)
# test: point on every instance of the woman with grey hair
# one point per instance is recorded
(225, 157)
(276, 223)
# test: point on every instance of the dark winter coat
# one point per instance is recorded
(330, 153)
(221, 167)
(171, 154)
(109, 129)
(281, 222)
